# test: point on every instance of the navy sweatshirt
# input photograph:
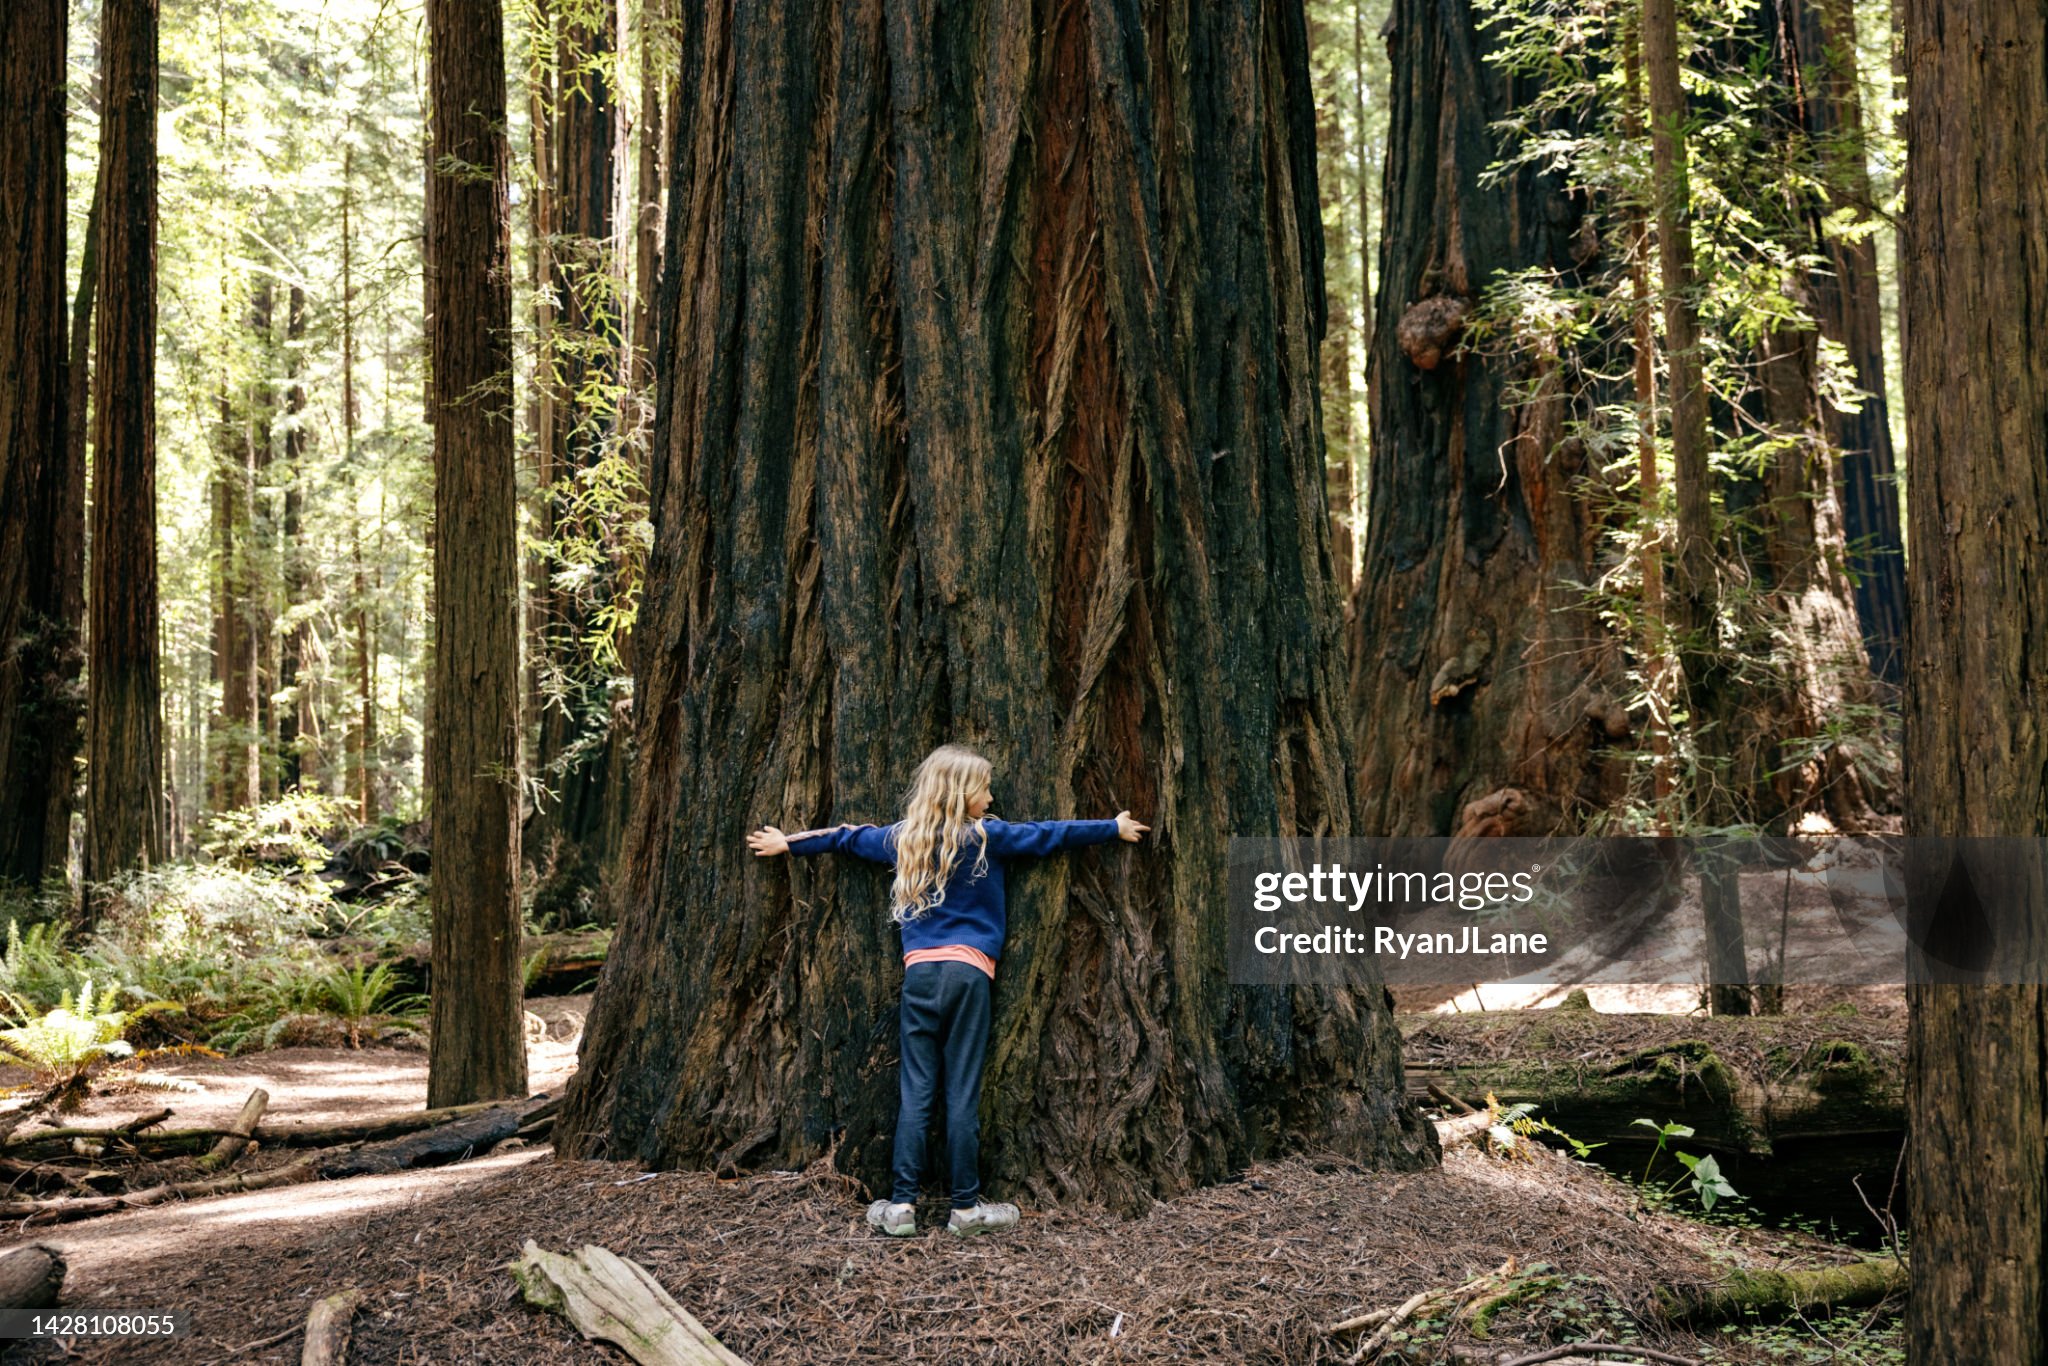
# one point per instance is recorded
(972, 912)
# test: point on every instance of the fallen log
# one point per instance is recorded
(61, 1209)
(1775, 1293)
(31, 1277)
(470, 1136)
(273, 1136)
(610, 1298)
(230, 1147)
(328, 1329)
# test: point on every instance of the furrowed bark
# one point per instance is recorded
(1485, 698)
(1975, 294)
(38, 640)
(986, 353)
(124, 740)
(479, 1046)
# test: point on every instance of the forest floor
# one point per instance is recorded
(783, 1268)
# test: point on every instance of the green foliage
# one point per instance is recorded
(1506, 1124)
(1702, 1175)
(75, 1039)
(1759, 182)
(285, 833)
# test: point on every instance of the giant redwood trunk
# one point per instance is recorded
(479, 1043)
(36, 637)
(1974, 287)
(1485, 699)
(987, 411)
(124, 731)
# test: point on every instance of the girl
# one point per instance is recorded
(947, 903)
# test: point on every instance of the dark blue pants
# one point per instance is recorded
(943, 1042)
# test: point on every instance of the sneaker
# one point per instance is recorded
(896, 1220)
(983, 1218)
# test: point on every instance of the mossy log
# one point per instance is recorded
(1773, 1293)
(1746, 1086)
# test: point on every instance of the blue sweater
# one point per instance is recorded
(972, 912)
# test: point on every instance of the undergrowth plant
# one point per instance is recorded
(79, 1039)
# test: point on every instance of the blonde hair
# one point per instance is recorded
(935, 829)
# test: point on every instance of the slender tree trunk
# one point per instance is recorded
(986, 412)
(1852, 314)
(263, 539)
(569, 825)
(479, 1046)
(237, 751)
(124, 740)
(66, 720)
(1976, 368)
(37, 641)
(1486, 697)
(1333, 152)
(297, 760)
(1694, 606)
(542, 281)
(1654, 643)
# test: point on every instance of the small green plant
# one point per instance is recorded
(36, 964)
(77, 1040)
(1702, 1174)
(362, 999)
(1506, 1123)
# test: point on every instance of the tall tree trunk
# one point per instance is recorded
(1976, 367)
(298, 754)
(986, 412)
(237, 751)
(569, 825)
(36, 638)
(263, 539)
(1694, 603)
(479, 1044)
(1654, 644)
(1340, 436)
(1851, 313)
(541, 281)
(124, 741)
(66, 722)
(1485, 697)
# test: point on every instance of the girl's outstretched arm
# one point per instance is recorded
(863, 841)
(1036, 839)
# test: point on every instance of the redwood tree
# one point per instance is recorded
(986, 360)
(1486, 698)
(479, 1044)
(37, 637)
(1975, 295)
(124, 733)
(573, 755)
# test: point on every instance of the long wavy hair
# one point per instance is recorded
(936, 829)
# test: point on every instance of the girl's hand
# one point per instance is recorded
(767, 842)
(1127, 829)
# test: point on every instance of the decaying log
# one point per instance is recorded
(469, 1136)
(276, 1136)
(328, 1329)
(230, 1147)
(1783, 1292)
(610, 1298)
(31, 1277)
(1451, 1132)
(61, 1210)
